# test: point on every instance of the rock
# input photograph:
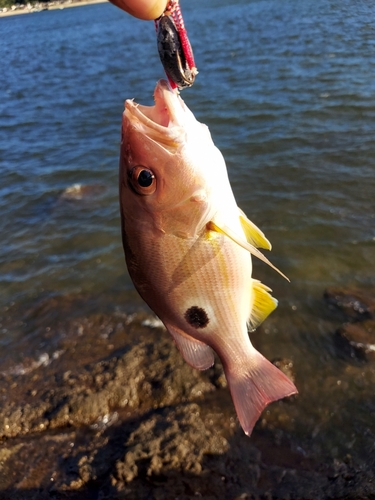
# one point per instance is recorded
(172, 441)
(147, 374)
(357, 339)
(103, 406)
(356, 304)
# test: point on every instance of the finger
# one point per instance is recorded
(142, 9)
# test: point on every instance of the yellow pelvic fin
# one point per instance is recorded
(253, 234)
(263, 304)
(244, 244)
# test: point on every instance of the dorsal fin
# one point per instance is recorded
(253, 234)
(244, 244)
(263, 304)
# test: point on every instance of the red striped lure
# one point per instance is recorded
(174, 48)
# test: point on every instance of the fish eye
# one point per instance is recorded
(142, 180)
(145, 178)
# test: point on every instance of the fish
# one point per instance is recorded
(188, 248)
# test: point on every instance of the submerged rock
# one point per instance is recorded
(355, 303)
(357, 339)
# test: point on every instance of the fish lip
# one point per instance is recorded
(164, 120)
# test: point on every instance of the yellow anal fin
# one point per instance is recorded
(211, 226)
(253, 234)
(263, 304)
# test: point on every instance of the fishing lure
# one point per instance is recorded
(174, 48)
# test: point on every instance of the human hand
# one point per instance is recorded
(142, 9)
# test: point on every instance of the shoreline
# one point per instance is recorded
(55, 6)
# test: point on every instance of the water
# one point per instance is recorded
(288, 91)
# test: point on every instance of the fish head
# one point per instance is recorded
(169, 165)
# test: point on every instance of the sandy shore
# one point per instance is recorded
(55, 6)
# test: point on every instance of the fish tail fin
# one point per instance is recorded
(253, 387)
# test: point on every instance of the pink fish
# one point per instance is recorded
(187, 247)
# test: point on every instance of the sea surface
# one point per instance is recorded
(287, 89)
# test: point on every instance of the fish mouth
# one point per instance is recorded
(162, 122)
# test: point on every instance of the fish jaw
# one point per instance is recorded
(169, 122)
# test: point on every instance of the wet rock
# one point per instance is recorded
(356, 304)
(177, 454)
(357, 339)
(169, 453)
(174, 440)
(148, 374)
(118, 414)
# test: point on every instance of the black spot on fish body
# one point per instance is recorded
(197, 317)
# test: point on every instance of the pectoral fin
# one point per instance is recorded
(263, 304)
(244, 244)
(253, 234)
(197, 354)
